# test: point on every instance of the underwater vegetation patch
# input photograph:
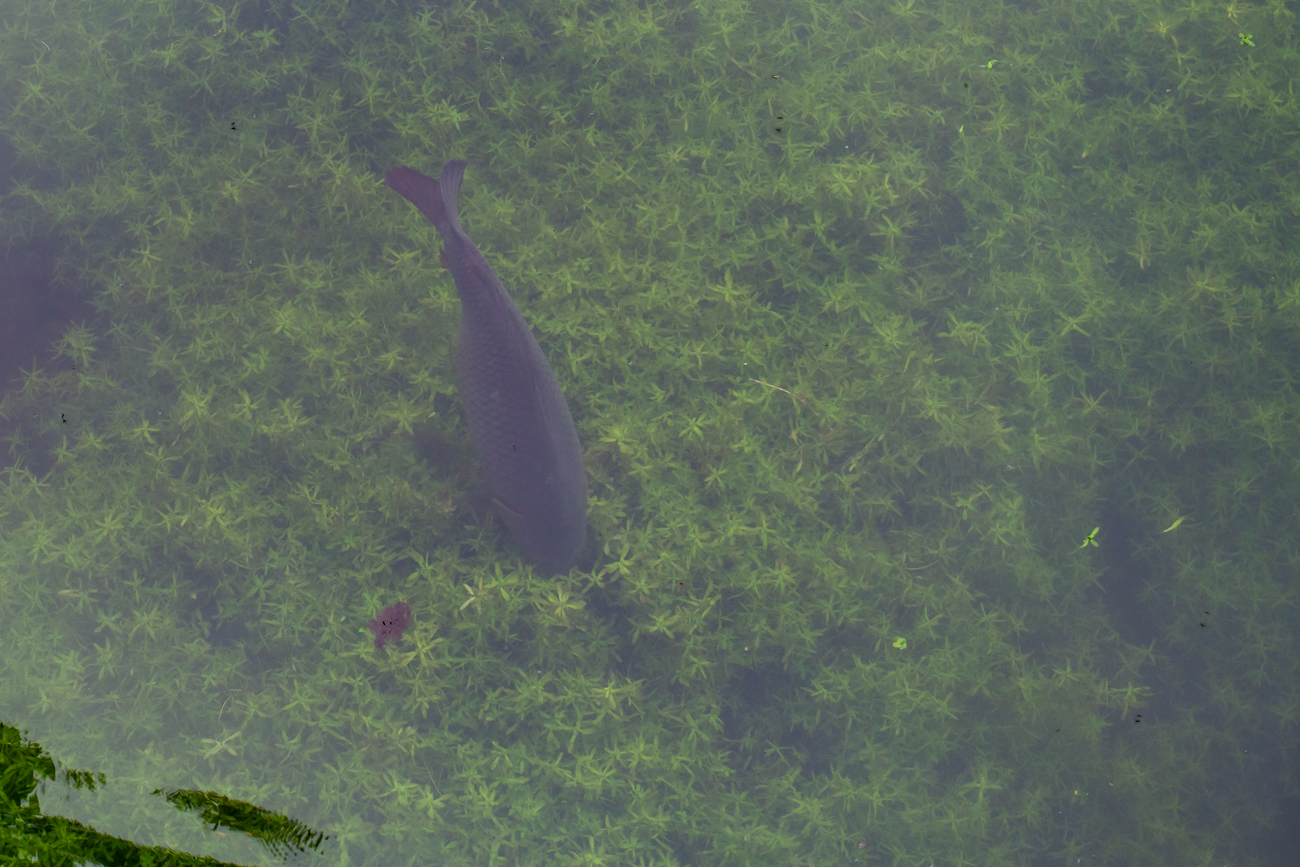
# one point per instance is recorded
(867, 315)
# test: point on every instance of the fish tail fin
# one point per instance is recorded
(424, 192)
(452, 174)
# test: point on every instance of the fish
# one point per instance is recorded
(519, 421)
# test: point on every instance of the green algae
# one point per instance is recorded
(865, 312)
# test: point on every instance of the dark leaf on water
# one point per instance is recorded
(391, 623)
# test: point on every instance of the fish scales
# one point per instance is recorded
(519, 422)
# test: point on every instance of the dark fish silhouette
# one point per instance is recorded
(518, 421)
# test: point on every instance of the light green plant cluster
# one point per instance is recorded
(865, 312)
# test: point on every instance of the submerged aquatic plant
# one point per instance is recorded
(867, 311)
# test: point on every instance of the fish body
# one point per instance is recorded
(519, 422)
